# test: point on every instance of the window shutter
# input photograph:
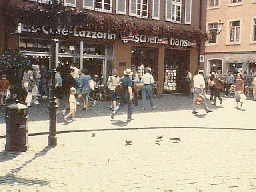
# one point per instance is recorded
(188, 9)
(168, 10)
(121, 6)
(88, 4)
(132, 7)
(155, 9)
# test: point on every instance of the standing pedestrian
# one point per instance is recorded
(147, 80)
(199, 90)
(84, 89)
(43, 89)
(247, 83)
(127, 96)
(229, 80)
(113, 81)
(217, 88)
(211, 85)
(239, 96)
(4, 85)
(254, 88)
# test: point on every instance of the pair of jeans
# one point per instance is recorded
(147, 90)
(197, 92)
(125, 99)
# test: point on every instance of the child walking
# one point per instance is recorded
(72, 104)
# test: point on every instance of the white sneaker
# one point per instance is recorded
(36, 103)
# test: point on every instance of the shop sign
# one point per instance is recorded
(75, 31)
(156, 40)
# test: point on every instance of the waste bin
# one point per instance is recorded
(16, 127)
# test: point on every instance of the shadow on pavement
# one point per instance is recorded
(120, 123)
(164, 103)
(7, 156)
(10, 177)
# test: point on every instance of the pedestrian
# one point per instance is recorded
(254, 88)
(211, 85)
(127, 96)
(199, 90)
(217, 88)
(72, 105)
(229, 81)
(58, 87)
(43, 89)
(4, 85)
(247, 83)
(188, 80)
(112, 83)
(239, 95)
(147, 80)
(84, 89)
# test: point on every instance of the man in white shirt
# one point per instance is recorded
(199, 86)
(147, 80)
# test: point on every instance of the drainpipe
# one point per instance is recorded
(200, 27)
(5, 10)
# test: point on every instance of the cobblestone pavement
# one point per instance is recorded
(208, 152)
(183, 160)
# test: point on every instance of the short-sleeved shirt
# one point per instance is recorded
(199, 81)
(84, 84)
(239, 84)
(4, 84)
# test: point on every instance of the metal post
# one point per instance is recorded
(52, 139)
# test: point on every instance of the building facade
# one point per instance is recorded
(100, 35)
(231, 45)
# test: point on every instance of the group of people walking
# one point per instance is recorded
(238, 85)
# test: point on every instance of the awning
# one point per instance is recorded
(235, 60)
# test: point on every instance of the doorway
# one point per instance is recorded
(176, 67)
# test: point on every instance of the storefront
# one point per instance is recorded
(100, 52)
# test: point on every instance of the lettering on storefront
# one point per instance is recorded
(156, 40)
(66, 31)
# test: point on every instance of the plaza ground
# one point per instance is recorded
(206, 152)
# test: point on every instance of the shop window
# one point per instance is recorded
(34, 45)
(139, 8)
(212, 28)
(234, 31)
(188, 11)
(94, 49)
(68, 48)
(216, 66)
(156, 9)
(173, 10)
(213, 3)
(121, 6)
(98, 5)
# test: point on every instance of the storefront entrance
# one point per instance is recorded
(146, 57)
(176, 67)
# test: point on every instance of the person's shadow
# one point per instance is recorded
(120, 123)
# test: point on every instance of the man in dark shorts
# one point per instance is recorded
(127, 96)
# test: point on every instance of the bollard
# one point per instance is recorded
(16, 127)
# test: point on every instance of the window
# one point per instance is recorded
(156, 9)
(213, 3)
(254, 30)
(173, 10)
(236, 1)
(71, 3)
(121, 6)
(215, 66)
(98, 5)
(139, 8)
(188, 7)
(212, 28)
(234, 31)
